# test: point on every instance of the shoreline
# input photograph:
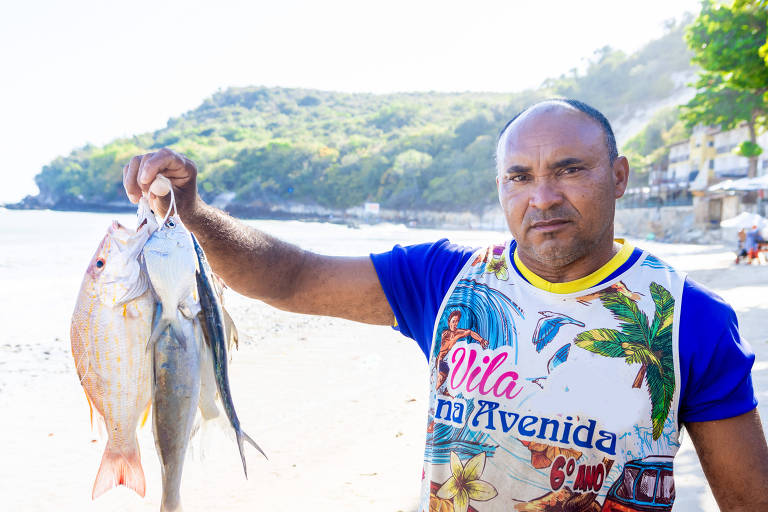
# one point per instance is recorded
(247, 213)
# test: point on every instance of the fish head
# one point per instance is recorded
(145, 217)
(171, 262)
(114, 272)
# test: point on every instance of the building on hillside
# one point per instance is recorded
(727, 164)
(712, 207)
(679, 167)
(694, 165)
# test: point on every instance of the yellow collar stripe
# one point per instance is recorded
(579, 284)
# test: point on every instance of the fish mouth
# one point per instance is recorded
(142, 224)
(117, 228)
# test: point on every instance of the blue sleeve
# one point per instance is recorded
(415, 279)
(715, 363)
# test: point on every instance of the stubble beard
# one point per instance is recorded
(556, 255)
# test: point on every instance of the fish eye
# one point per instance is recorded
(99, 262)
(170, 224)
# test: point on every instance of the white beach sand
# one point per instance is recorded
(339, 407)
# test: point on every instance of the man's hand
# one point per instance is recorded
(256, 264)
(734, 457)
(142, 170)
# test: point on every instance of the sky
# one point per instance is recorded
(88, 71)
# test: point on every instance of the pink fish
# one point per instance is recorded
(110, 328)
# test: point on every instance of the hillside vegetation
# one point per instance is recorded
(276, 146)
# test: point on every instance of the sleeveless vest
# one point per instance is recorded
(548, 402)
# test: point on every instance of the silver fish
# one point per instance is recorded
(216, 337)
(208, 391)
(176, 388)
(171, 265)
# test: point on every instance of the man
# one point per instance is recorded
(577, 401)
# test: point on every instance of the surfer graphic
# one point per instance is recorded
(448, 339)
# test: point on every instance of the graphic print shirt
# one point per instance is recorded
(552, 401)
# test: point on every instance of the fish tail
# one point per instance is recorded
(242, 436)
(120, 469)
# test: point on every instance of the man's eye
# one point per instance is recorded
(517, 178)
(571, 170)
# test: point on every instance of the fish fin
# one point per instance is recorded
(241, 436)
(138, 288)
(160, 326)
(145, 415)
(120, 469)
(232, 336)
(177, 331)
(90, 406)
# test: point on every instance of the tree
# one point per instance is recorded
(640, 342)
(733, 85)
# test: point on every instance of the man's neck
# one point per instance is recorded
(577, 269)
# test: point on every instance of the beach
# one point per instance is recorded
(340, 408)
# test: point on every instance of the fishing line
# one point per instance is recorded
(172, 204)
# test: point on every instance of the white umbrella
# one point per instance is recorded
(745, 220)
(723, 185)
(759, 183)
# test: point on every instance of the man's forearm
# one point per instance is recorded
(251, 262)
(285, 276)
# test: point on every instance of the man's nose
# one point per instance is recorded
(545, 194)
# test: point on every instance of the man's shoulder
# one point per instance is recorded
(695, 296)
(703, 300)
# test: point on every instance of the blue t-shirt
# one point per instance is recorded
(715, 363)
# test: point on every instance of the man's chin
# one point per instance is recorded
(553, 252)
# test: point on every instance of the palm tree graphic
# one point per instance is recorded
(640, 342)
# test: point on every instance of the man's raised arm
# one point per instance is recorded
(256, 264)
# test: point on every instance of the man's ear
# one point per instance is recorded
(620, 176)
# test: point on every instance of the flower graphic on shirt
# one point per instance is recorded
(642, 342)
(492, 261)
(498, 267)
(465, 484)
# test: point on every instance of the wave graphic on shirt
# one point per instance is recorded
(463, 441)
(485, 311)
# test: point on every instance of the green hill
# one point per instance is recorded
(273, 147)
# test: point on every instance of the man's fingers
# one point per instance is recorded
(172, 164)
(143, 159)
(130, 171)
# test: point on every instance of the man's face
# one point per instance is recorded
(556, 184)
(453, 322)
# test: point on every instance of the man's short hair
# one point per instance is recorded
(454, 313)
(610, 139)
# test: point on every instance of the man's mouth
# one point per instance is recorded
(546, 226)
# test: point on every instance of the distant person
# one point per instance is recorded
(752, 243)
(741, 249)
(580, 386)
